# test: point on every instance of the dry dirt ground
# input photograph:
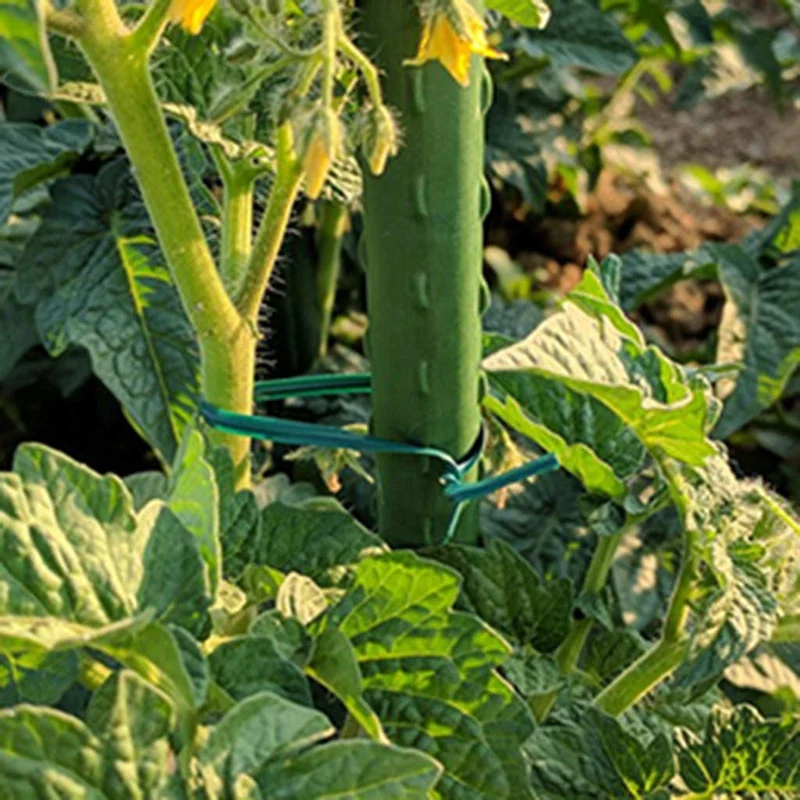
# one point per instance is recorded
(739, 128)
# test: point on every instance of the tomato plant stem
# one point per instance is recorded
(666, 655)
(333, 216)
(226, 340)
(569, 652)
(273, 225)
(238, 181)
(640, 677)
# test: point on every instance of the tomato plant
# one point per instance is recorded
(203, 631)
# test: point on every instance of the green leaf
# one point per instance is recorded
(238, 511)
(146, 486)
(533, 674)
(40, 678)
(100, 283)
(351, 770)
(589, 358)
(334, 665)
(135, 718)
(17, 325)
(247, 665)
(746, 552)
(782, 235)
(532, 13)
(562, 546)
(741, 755)
(167, 657)
(30, 154)
(581, 34)
(260, 728)
(644, 275)
(317, 538)
(194, 499)
(291, 638)
(429, 674)
(502, 589)
(122, 753)
(593, 756)
(24, 51)
(80, 566)
(760, 328)
(175, 580)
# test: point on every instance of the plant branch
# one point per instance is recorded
(272, 228)
(365, 66)
(333, 216)
(63, 21)
(667, 654)
(641, 676)
(150, 27)
(569, 652)
(238, 180)
(227, 342)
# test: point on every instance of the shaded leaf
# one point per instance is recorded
(317, 538)
(760, 328)
(592, 756)
(24, 51)
(247, 665)
(502, 589)
(30, 153)
(100, 283)
(580, 34)
(262, 727)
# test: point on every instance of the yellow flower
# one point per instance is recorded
(191, 14)
(452, 37)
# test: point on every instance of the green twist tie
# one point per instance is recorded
(299, 434)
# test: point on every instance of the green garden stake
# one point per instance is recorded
(423, 236)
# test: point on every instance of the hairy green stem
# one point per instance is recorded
(227, 342)
(151, 26)
(423, 254)
(238, 182)
(329, 241)
(273, 226)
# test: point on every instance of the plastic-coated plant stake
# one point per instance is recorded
(423, 244)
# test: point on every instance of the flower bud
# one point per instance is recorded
(380, 139)
(324, 145)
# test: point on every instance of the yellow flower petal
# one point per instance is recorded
(191, 14)
(453, 45)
